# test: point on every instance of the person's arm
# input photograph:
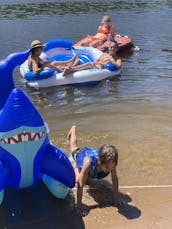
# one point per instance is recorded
(100, 62)
(115, 183)
(112, 32)
(81, 181)
(50, 65)
(99, 59)
(117, 62)
(116, 196)
(35, 68)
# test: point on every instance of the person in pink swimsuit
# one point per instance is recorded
(105, 32)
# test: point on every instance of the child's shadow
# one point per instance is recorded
(101, 191)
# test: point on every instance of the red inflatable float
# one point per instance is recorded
(124, 42)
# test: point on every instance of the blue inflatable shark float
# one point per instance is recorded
(6, 73)
(26, 154)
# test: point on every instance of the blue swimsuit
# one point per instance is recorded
(79, 156)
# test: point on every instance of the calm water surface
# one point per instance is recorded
(134, 111)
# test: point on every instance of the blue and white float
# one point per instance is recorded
(26, 154)
(62, 50)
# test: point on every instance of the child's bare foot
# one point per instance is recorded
(66, 71)
(72, 129)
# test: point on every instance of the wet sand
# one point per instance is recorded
(35, 208)
(147, 208)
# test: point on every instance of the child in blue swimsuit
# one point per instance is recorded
(94, 164)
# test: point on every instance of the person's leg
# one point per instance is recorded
(60, 66)
(96, 43)
(71, 136)
(86, 41)
(75, 62)
(49, 65)
(81, 67)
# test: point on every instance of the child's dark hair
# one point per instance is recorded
(108, 153)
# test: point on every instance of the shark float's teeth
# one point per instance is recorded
(23, 137)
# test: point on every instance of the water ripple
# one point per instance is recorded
(25, 9)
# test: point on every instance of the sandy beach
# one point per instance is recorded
(147, 208)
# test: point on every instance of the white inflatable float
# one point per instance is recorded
(62, 50)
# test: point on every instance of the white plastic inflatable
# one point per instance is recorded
(62, 50)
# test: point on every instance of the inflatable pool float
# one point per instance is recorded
(124, 43)
(30, 166)
(26, 154)
(62, 50)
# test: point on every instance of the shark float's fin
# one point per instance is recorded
(55, 160)
(56, 188)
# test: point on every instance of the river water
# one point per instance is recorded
(132, 112)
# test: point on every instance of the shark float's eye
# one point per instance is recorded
(24, 136)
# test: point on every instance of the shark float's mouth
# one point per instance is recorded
(24, 136)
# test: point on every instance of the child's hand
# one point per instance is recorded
(83, 210)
